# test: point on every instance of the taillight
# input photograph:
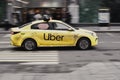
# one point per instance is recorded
(14, 32)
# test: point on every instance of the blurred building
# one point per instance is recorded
(2, 9)
(79, 11)
(14, 8)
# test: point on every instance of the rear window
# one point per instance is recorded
(40, 26)
(24, 25)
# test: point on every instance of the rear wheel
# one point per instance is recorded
(29, 45)
(84, 44)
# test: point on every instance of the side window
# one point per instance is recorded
(43, 26)
(60, 26)
(40, 26)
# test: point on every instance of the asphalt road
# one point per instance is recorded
(49, 61)
(107, 50)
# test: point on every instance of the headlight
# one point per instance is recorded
(92, 33)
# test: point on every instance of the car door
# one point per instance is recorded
(41, 31)
(53, 34)
(61, 35)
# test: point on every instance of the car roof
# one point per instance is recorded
(37, 21)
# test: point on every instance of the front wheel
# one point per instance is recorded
(84, 44)
(29, 45)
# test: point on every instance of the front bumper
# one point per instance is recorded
(94, 42)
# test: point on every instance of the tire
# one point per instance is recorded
(29, 45)
(84, 43)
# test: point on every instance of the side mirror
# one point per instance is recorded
(70, 29)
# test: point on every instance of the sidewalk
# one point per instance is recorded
(98, 29)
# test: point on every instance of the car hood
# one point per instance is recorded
(84, 30)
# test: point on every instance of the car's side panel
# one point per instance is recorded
(51, 37)
(55, 38)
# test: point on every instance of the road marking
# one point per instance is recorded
(30, 53)
(46, 57)
(115, 42)
(7, 35)
(110, 34)
(110, 42)
(4, 42)
(100, 42)
(38, 63)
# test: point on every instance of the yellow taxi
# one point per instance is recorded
(51, 33)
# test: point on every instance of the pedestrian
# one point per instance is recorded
(48, 13)
(66, 17)
(16, 19)
(58, 14)
(7, 25)
(30, 16)
(37, 15)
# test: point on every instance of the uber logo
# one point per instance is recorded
(53, 37)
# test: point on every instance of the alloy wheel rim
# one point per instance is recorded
(29, 45)
(84, 44)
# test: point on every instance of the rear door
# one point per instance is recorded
(42, 31)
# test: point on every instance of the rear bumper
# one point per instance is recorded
(14, 42)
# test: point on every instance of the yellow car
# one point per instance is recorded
(51, 33)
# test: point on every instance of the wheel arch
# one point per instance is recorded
(82, 38)
(29, 39)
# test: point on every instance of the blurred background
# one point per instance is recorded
(17, 12)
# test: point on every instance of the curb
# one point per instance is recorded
(107, 31)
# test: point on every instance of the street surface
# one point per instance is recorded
(99, 63)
